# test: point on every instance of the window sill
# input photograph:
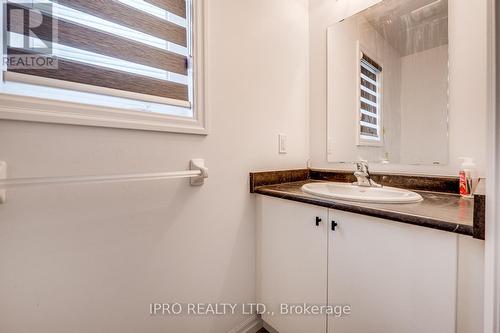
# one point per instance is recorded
(22, 108)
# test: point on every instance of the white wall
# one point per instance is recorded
(468, 75)
(424, 104)
(91, 258)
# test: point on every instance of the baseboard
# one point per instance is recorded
(250, 325)
(269, 328)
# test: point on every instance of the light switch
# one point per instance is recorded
(282, 143)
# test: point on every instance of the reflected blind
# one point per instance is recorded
(128, 47)
(369, 98)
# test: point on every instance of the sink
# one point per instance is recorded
(351, 192)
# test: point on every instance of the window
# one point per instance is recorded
(119, 63)
(370, 87)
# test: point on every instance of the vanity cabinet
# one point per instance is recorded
(292, 261)
(395, 277)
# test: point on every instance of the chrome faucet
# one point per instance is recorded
(362, 175)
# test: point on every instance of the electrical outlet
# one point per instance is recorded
(282, 143)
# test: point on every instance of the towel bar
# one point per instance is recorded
(197, 173)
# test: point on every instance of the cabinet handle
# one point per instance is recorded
(318, 220)
(334, 225)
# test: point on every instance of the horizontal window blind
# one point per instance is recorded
(369, 98)
(136, 46)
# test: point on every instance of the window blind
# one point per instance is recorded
(369, 98)
(135, 46)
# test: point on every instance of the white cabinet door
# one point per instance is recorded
(291, 262)
(396, 277)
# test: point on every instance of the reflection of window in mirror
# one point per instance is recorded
(388, 83)
(370, 96)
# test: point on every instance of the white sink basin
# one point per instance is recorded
(350, 192)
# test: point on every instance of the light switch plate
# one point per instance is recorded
(282, 144)
(3, 175)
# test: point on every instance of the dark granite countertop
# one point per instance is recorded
(480, 210)
(438, 210)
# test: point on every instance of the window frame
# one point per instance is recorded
(47, 110)
(360, 50)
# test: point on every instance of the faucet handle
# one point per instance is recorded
(362, 165)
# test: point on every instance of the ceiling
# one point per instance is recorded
(410, 26)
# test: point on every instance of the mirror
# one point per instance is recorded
(388, 84)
